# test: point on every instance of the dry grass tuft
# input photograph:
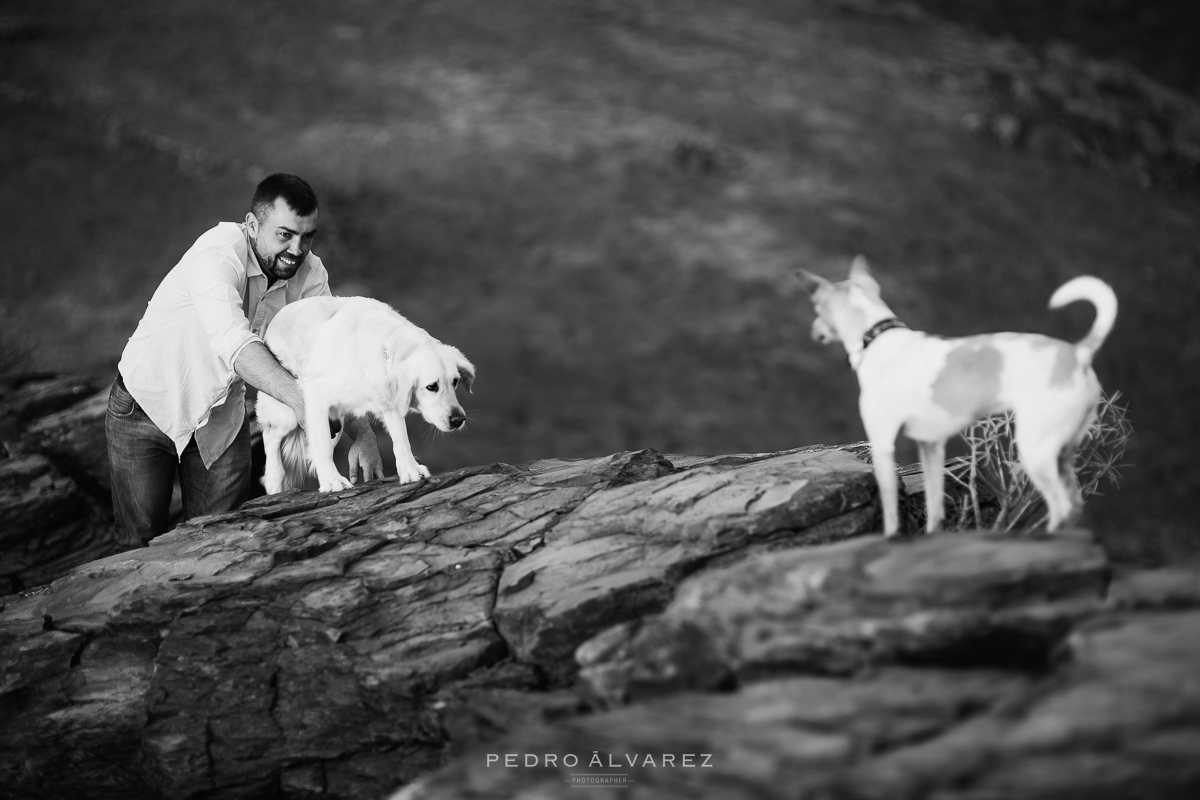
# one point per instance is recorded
(993, 468)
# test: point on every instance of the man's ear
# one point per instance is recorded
(811, 281)
(860, 273)
(252, 223)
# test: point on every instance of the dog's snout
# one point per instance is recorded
(457, 419)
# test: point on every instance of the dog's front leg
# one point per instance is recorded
(933, 465)
(320, 446)
(407, 468)
(273, 472)
(884, 463)
(882, 425)
(881, 433)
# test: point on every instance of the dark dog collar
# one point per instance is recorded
(880, 327)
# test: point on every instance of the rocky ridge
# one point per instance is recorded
(656, 625)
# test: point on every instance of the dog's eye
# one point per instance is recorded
(433, 387)
(454, 382)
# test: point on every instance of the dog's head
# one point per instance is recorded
(432, 374)
(842, 308)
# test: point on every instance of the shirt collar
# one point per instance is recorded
(252, 265)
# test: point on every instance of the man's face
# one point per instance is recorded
(281, 240)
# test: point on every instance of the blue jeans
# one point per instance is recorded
(142, 466)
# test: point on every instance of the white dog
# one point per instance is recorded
(354, 355)
(934, 387)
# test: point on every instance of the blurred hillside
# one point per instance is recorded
(601, 203)
(1157, 36)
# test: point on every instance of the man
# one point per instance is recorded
(178, 402)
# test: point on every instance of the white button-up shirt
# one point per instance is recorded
(178, 365)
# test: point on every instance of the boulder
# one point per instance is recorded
(620, 554)
(961, 665)
(30, 396)
(332, 645)
(962, 599)
(1116, 718)
(55, 504)
(74, 439)
(47, 523)
(679, 626)
(55, 492)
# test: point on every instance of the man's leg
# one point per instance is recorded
(141, 468)
(222, 487)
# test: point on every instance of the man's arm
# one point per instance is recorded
(257, 367)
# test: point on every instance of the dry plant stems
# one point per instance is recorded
(993, 467)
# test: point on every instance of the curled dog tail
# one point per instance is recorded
(1100, 295)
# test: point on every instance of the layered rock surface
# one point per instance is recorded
(316, 644)
(644, 625)
(55, 510)
(962, 665)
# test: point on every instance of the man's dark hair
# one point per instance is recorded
(294, 190)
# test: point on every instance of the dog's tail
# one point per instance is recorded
(1100, 295)
(294, 458)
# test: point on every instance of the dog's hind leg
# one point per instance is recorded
(933, 465)
(1049, 460)
(1066, 465)
(1041, 459)
(1070, 482)
(1066, 472)
(407, 468)
(1042, 469)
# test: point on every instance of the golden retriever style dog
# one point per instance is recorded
(354, 355)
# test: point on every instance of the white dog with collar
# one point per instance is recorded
(354, 355)
(933, 387)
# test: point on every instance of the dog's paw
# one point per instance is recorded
(333, 483)
(412, 473)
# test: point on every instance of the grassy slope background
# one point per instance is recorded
(600, 202)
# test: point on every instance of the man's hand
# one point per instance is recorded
(364, 456)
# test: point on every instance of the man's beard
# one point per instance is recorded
(272, 266)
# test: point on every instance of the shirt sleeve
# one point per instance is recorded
(217, 284)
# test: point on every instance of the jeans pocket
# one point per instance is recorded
(120, 402)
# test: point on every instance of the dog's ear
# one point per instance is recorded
(811, 282)
(466, 374)
(466, 370)
(860, 273)
(401, 388)
(397, 377)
